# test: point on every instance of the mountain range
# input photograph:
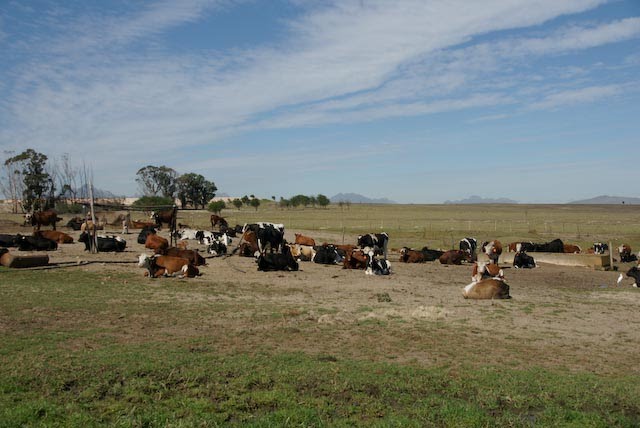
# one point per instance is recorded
(356, 198)
(606, 199)
(475, 199)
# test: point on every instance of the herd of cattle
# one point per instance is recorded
(266, 243)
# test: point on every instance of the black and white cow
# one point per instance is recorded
(469, 245)
(634, 273)
(35, 243)
(522, 260)
(207, 238)
(268, 235)
(625, 254)
(326, 255)
(379, 242)
(377, 266)
(600, 248)
(105, 243)
(277, 261)
(217, 248)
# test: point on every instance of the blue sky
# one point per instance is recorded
(417, 101)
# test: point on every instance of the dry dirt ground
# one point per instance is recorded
(559, 317)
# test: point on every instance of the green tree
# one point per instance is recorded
(255, 203)
(216, 206)
(323, 201)
(154, 180)
(246, 200)
(153, 201)
(38, 190)
(237, 203)
(194, 189)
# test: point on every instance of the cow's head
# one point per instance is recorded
(27, 218)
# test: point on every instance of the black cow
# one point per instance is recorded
(75, 223)
(523, 260)
(555, 246)
(276, 261)
(8, 240)
(326, 255)
(35, 243)
(377, 241)
(105, 243)
(270, 236)
(232, 231)
(142, 236)
(634, 273)
(431, 255)
(469, 245)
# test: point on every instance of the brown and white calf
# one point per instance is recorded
(304, 240)
(158, 266)
(487, 289)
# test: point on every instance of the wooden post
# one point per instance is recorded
(92, 233)
(611, 254)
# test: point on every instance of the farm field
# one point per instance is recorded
(99, 344)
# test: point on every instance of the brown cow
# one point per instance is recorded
(156, 243)
(302, 253)
(304, 240)
(165, 216)
(54, 235)
(192, 255)
(569, 248)
(248, 245)
(407, 255)
(216, 219)
(42, 218)
(141, 224)
(492, 249)
(484, 270)
(355, 259)
(158, 266)
(487, 289)
(453, 257)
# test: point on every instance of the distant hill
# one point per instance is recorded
(605, 199)
(475, 199)
(355, 198)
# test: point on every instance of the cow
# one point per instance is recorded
(453, 257)
(146, 231)
(600, 248)
(165, 216)
(54, 235)
(377, 266)
(217, 249)
(106, 243)
(469, 245)
(483, 270)
(378, 241)
(625, 254)
(514, 247)
(555, 246)
(355, 259)
(135, 224)
(42, 218)
(184, 234)
(304, 253)
(634, 273)
(326, 255)
(571, 249)
(304, 240)
(90, 225)
(276, 261)
(487, 289)
(232, 231)
(158, 266)
(248, 245)
(217, 220)
(35, 243)
(156, 243)
(262, 224)
(408, 255)
(271, 237)
(75, 223)
(522, 260)
(193, 256)
(492, 249)
(207, 238)
(8, 240)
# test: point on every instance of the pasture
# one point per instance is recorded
(99, 344)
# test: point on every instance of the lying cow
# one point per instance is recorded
(8, 240)
(520, 246)
(571, 249)
(217, 249)
(156, 243)
(158, 266)
(106, 243)
(522, 260)
(42, 218)
(302, 253)
(625, 254)
(248, 245)
(487, 289)
(54, 235)
(355, 259)
(75, 223)
(146, 231)
(193, 256)
(377, 266)
(599, 248)
(304, 240)
(555, 246)
(326, 255)
(408, 255)
(35, 243)
(453, 257)
(634, 273)
(277, 261)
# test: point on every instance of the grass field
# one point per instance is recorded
(104, 346)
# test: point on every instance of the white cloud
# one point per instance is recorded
(577, 96)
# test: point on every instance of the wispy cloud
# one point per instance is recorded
(577, 96)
